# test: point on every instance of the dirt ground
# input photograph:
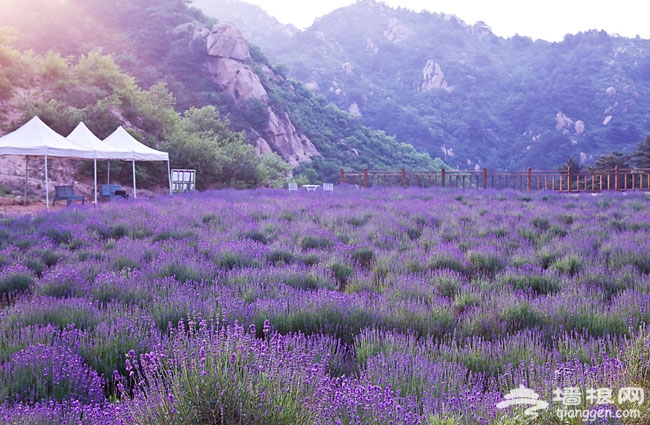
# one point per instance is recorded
(61, 171)
(13, 207)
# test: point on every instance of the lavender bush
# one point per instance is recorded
(379, 306)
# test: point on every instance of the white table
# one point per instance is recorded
(311, 187)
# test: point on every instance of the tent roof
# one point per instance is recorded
(83, 136)
(36, 138)
(123, 141)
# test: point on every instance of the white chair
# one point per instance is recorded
(293, 186)
(328, 187)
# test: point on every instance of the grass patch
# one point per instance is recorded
(15, 283)
(315, 242)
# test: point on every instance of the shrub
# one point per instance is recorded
(118, 231)
(521, 316)
(257, 236)
(315, 242)
(569, 265)
(57, 312)
(358, 221)
(209, 218)
(59, 236)
(486, 264)
(342, 273)
(280, 257)
(443, 262)
(414, 233)
(364, 256)
(36, 265)
(310, 259)
(229, 260)
(124, 263)
(304, 281)
(14, 283)
(465, 300)
(49, 373)
(184, 273)
(537, 283)
(541, 223)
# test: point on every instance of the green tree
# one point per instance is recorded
(571, 163)
(641, 158)
(272, 170)
(611, 161)
(222, 158)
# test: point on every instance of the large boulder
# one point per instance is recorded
(433, 78)
(226, 41)
(236, 78)
(228, 68)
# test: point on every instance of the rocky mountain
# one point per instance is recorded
(460, 92)
(228, 68)
(203, 62)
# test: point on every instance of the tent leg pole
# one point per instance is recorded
(169, 177)
(25, 194)
(133, 164)
(47, 188)
(95, 182)
(108, 172)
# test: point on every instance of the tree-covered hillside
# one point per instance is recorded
(462, 93)
(93, 89)
(160, 47)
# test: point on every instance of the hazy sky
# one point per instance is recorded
(546, 19)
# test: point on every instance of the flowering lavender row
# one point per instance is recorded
(405, 306)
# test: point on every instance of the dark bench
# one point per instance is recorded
(111, 191)
(66, 193)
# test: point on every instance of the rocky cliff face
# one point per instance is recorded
(433, 78)
(227, 65)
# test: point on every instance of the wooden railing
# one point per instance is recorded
(566, 180)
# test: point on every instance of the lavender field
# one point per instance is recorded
(354, 307)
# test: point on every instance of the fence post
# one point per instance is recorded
(342, 176)
(403, 177)
(442, 177)
(616, 177)
(568, 179)
(365, 177)
(530, 176)
(484, 178)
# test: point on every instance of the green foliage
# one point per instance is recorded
(203, 142)
(498, 89)
(14, 283)
(364, 256)
(280, 257)
(341, 139)
(315, 242)
(342, 273)
(611, 161)
(538, 284)
(641, 158)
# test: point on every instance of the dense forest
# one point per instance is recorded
(368, 85)
(462, 93)
(140, 63)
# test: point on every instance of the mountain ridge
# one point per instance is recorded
(165, 42)
(447, 87)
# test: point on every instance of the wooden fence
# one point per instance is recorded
(566, 180)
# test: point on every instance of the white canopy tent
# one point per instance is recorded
(133, 150)
(83, 136)
(35, 138)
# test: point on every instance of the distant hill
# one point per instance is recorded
(201, 64)
(460, 92)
